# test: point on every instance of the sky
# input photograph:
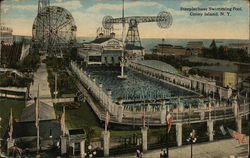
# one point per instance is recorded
(88, 15)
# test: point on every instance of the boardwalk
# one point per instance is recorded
(218, 149)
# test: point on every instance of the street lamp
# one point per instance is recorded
(91, 152)
(192, 139)
(0, 137)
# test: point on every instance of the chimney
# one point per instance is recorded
(112, 35)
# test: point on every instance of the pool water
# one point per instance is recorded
(137, 86)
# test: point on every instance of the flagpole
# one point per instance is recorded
(37, 122)
(167, 135)
(64, 121)
(37, 140)
(167, 141)
(107, 118)
(11, 124)
(105, 128)
(144, 117)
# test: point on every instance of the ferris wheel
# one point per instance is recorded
(54, 28)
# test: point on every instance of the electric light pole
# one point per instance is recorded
(192, 139)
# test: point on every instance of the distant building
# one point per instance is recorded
(194, 47)
(224, 76)
(244, 71)
(168, 49)
(245, 84)
(134, 52)
(12, 53)
(245, 46)
(102, 50)
(6, 35)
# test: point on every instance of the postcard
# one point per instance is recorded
(124, 78)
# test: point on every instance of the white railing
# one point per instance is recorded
(180, 80)
(97, 91)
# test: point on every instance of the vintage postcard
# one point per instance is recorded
(124, 78)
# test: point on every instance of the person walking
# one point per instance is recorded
(138, 154)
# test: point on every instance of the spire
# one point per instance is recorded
(213, 45)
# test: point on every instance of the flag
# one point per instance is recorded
(107, 118)
(62, 121)
(37, 109)
(238, 136)
(193, 133)
(223, 131)
(169, 120)
(11, 124)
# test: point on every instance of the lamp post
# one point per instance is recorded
(192, 139)
(55, 92)
(91, 152)
(0, 138)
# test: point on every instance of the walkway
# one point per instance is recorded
(41, 78)
(46, 108)
(218, 149)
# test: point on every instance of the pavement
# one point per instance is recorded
(228, 148)
(41, 78)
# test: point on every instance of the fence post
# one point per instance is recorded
(63, 145)
(106, 141)
(82, 148)
(119, 111)
(179, 134)
(144, 131)
(163, 115)
(210, 128)
(10, 143)
(239, 124)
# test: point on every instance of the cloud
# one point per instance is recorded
(193, 3)
(70, 5)
(139, 5)
(27, 7)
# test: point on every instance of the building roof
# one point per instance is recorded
(219, 68)
(46, 128)
(195, 44)
(159, 65)
(240, 63)
(46, 112)
(100, 40)
(178, 47)
(165, 45)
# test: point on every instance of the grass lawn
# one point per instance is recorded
(5, 106)
(84, 117)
